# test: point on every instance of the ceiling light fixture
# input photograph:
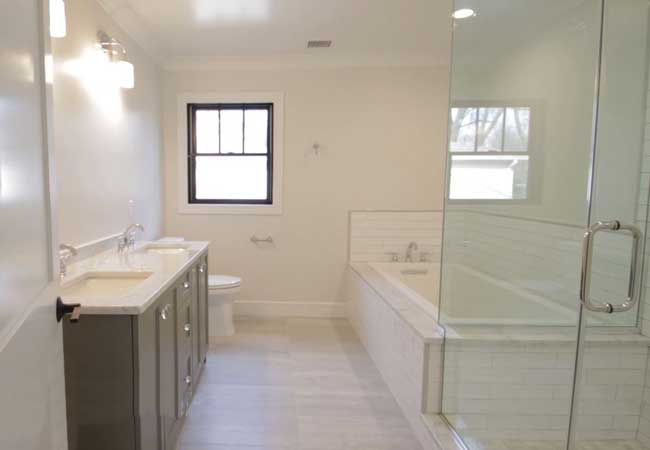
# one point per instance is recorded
(123, 70)
(463, 13)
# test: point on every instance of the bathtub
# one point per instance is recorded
(418, 282)
(472, 297)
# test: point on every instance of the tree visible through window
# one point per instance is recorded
(230, 153)
(489, 152)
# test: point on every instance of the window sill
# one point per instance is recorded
(252, 210)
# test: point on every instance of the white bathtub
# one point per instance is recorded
(471, 297)
(419, 282)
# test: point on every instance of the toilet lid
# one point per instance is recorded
(223, 281)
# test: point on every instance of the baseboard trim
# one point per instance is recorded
(290, 309)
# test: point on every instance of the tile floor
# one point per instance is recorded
(295, 384)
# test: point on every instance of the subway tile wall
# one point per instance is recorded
(373, 234)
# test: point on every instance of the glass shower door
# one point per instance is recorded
(611, 404)
(524, 183)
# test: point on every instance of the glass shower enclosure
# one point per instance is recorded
(543, 296)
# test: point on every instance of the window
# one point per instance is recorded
(230, 153)
(489, 148)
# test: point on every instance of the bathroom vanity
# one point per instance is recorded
(132, 362)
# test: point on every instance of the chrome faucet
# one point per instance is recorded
(65, 253)
(413, 246)
(126, 241)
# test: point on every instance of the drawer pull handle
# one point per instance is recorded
(164, 313)
(188, 329)
(186, 285)
(188, 380)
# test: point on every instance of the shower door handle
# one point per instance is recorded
(585, 275)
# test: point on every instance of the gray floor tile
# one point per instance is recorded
(297, 384)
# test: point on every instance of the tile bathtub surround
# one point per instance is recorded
(375, 233)
(290, 384)
(406, 350)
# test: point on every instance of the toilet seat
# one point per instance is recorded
(216, 282)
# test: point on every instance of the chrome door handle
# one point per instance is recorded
(585, 275)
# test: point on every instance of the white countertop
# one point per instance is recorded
(164, 268)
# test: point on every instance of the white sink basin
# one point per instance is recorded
(104, 284)
(166, 248)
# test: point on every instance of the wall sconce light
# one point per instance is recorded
(58, 27)
(124, 71)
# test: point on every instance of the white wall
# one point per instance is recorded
(383, 137)
(107, 140)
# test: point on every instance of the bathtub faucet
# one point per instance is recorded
(413, 246)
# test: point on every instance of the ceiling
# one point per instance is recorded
(186, 32)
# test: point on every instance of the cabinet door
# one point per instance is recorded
(203, 309)
(166, 370)
(184, 349)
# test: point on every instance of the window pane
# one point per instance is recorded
(462, 129)
(488, 177)
(232, 133)
(490, 129)
(231, 178)
(256, 130)
(207, 131)
(517, 129)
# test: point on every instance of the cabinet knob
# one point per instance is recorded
(188, 329)
(188, 380)
(202, 268)
(164, 313)
(186, 285)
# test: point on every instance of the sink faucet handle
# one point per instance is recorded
(67, 250)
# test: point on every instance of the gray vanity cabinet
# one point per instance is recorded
(130, 378)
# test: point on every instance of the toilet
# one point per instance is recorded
(222, 291)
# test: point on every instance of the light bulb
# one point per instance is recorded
(463, 13)
(58, 27)
(125, 74)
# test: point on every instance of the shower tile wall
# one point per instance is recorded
(375, 233)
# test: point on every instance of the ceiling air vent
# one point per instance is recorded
(319, 44)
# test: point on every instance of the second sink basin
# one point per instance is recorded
(166, 248)
(104, 284)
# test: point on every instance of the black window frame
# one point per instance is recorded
(192, 108)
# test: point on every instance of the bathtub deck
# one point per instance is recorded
(294, 384)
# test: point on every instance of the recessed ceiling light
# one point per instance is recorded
(463, 13)
(319, 44)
